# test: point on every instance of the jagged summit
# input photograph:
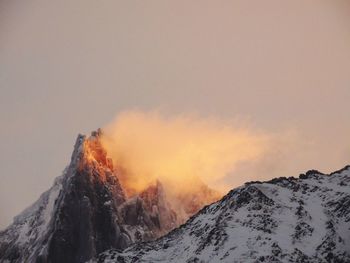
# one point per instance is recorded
(71, 222)
(84, 213)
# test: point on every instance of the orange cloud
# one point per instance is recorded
(179, 151)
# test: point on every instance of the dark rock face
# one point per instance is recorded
(85, 213)
(87, 220)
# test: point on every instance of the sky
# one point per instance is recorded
(281, 68)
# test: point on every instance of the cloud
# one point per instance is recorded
(181, 150)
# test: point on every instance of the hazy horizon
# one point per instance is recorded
(281, 69)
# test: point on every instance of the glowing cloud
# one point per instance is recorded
(178, 150)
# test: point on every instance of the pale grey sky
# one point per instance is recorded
(70, 66)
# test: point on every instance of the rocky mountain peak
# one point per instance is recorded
(86, 212)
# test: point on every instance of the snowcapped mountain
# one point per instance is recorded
(305, 219)
(87, 215)
(85, 212)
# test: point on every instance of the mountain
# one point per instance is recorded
(86, 212)
(88, 215)
(305, 219)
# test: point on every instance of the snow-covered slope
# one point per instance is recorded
(305, 219)
(30, 229)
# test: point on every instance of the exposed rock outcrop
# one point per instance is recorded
(85, 213)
